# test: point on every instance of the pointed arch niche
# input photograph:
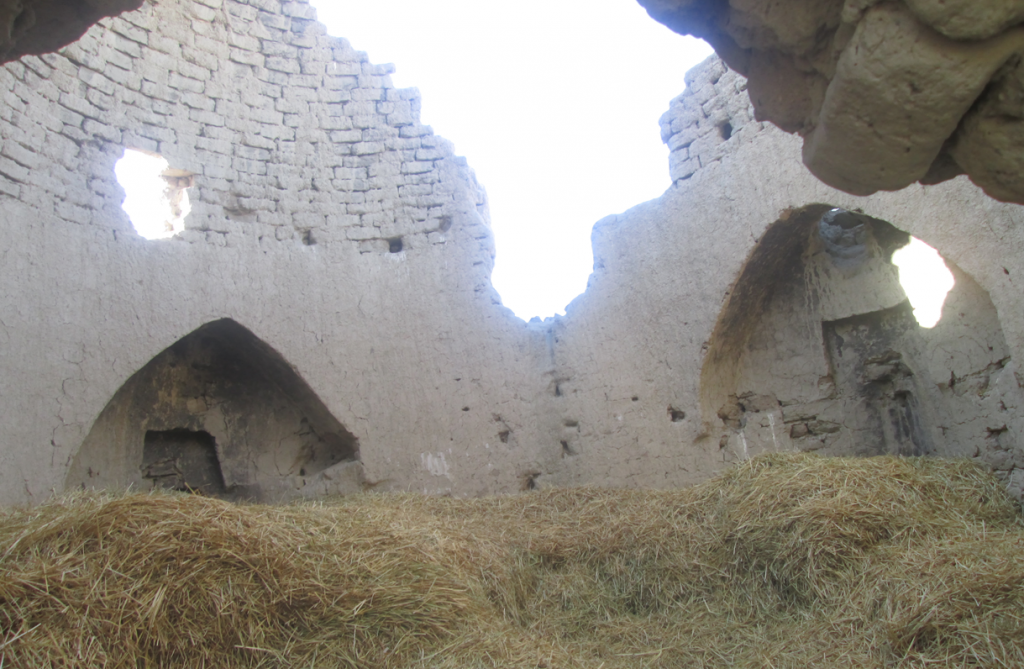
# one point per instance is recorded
(222, 413)
(817, 349)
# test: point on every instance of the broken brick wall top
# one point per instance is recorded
(700, 122)
(292, 134)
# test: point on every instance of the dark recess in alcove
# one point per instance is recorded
(219, 412)
(183, 460)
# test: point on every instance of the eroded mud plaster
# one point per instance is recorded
(349, 252)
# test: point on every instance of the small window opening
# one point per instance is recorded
(183, 460)
(156, 199)
(395, 245)
(726, 130)
(925, 279)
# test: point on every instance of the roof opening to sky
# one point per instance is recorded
(555, 106)
(925, 279)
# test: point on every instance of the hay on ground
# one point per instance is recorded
(783, 561)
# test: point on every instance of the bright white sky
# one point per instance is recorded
(554, 103)
(925, 279)
(145, 195)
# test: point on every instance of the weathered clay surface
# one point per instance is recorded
(326, 221)
(681, 356)
(990, 142)
(823, 353)
(33, 27)
(884, 93)
(325, 321)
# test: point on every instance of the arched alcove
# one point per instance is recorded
(222, 413)
(817, 349)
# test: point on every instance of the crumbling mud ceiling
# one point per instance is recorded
(821, 352)
(883, 93)
(223, 413)
(33, 27)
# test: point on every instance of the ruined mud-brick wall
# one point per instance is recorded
(334, 241)
(292, 133)
(325, 322)
(714, 322)
(700, 122)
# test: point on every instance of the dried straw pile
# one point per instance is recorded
(785, 561)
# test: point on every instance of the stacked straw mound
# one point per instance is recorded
(784, 561)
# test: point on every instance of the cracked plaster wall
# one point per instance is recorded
(308, 164)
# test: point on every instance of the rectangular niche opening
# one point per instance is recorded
(184, 460)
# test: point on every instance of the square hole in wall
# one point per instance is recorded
(184, 460)
(156, 197)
